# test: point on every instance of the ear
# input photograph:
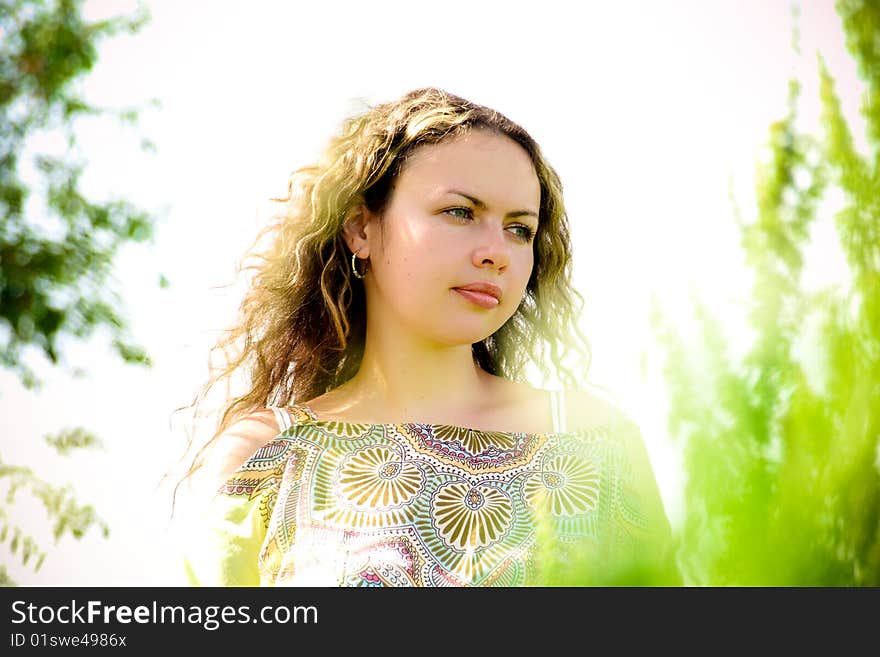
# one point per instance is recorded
(356, 230)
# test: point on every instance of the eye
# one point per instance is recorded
(525, 232)
(468, 213)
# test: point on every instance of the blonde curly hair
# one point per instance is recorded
(301, 325)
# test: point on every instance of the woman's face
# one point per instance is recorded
(462, 213)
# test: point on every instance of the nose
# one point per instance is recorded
(492, 250)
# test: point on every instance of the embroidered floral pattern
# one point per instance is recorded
(470, 517)
(475, 442)
(425, 505)
(567, 485)
(374, 478)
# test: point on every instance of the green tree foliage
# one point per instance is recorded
(56, 245)
(66, 515)
(782, 473)
(53, 272)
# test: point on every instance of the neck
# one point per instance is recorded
(402, 378)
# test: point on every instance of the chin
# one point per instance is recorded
(467, 335)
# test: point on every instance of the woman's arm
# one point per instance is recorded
(655, 563)
(222, 546)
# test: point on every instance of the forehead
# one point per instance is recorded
(493, 167)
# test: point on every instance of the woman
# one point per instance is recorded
(388, 437)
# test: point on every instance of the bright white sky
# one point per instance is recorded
(647, 110)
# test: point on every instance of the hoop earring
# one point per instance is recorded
(354, 268)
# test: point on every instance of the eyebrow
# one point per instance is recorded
(482, 206)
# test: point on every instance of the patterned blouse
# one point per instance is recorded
(329, 503)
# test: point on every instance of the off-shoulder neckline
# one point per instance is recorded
(313, 419)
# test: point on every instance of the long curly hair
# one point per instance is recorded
(301, 325)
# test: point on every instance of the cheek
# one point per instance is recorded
(524, 268)
(414, 276)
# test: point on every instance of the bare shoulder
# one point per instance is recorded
(229, 451)
(586, 410)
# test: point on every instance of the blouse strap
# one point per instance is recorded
(282, 417)
(557, 406)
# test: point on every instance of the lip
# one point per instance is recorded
(482, 293)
